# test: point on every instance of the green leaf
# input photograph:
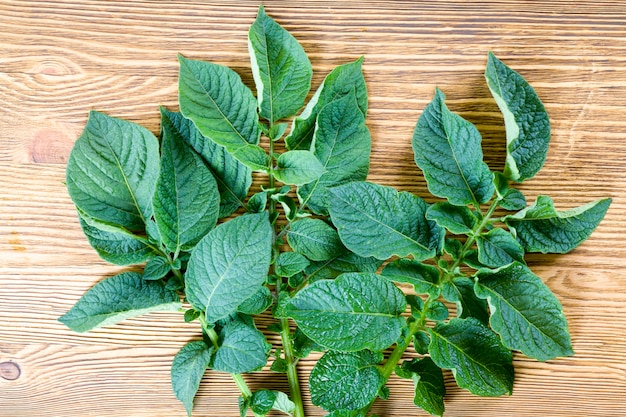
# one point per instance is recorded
(257, 303)
(341, 81)
(460, 290)
(283, 404)
(229, 265)
(156, 268)
(344, 262)
(498, 248)
(298, 167)
(258, 202)
(242, 348)
(233, 178)
(429, 384)
(314, 239)
(303, 346)
(112, 171)
(115, 244)
(540, 228)
(342, 143)
(424, 278)
(353, 312)
(282, 72)
(447, 149)
(513, 200)
(117, 298)
(525, 118)
(474, 353)
(186, 201)
(188, 367)
(458, 220)
(437, 311)
(525, 313)
(223, 109)
(290, 263)
(346, 381)
(375, 220)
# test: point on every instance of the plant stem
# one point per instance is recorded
(398, 351)
(292, 371)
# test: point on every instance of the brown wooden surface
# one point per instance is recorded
(59, 59)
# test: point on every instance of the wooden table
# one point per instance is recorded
(59, 59)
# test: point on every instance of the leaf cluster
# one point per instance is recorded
(366, 273)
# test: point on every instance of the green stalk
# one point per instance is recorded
(285, 333)
(398, 351)
(292, 371)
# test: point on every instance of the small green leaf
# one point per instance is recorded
(437, 311)
(115, 244)
(117, 298)
(424, 278)
(344, 262)
(188, 367)
(229, 265)
(233, 178)
(474, 353)
(282, 72)
(421, 340)
(290, 263)
(341, 81)
(303, 346)
(258, 202)
(298, 168)
(513, 200)
(524, 311)
(429, 384)
(375, 220)
(346, 381)
(540, 228)
(112, 171)
(498, 248)
(447, 149)
(242, 348)
(191, 315)
(262, 401)
(458, 220)
(223, 109)
(342, 144)
(186, 201)
(257, 303)
(353, 312)
(460, 290)
(156, 268)
(525, 118)
(314, 239)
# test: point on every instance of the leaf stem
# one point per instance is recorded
(292, 371)
(398, 351)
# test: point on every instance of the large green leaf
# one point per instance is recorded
(118, 298)
(115, 244)
(112, 171)
(223, 109)
(525, 313)
(447, 148)
(233, 178)
(353, 312)
(341, 81)
(187, 370)
(282, 72)
(346, 380)
(229, 265)
(475, 354)
(429, 384)
(298, 167)
(314, 239)
(525, 118)
(376, 220)
(540, 228)
(186, 201)
(242, 348)
(342, 143)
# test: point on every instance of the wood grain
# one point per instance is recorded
(59, 59)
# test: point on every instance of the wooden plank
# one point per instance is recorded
(59, 59)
